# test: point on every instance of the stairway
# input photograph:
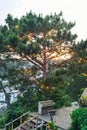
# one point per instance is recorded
(26, 122)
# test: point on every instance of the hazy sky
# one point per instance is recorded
(73, 10)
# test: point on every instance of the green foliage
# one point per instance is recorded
(79, 119)
(56, 90)
(75, 79)
(34, 37)
(61, 71)
(12, 39)
(75, 86)
(52, 126)
(15, 111)
(84, 128)
(3, 117)
(66, 100)
(80, 49)
(31, 98)
(2, 123)
(83, 101)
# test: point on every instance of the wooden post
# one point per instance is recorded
(46, 126)
(41, 128)
(20, 119)
(29, 125)
(36, 122)
(12, 125)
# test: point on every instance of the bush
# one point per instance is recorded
(52, 126)
(84, 128)
(83, 101)
(2, 123)
(79, 119)
(66, 100)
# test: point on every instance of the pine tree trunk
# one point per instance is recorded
(44, 64)
(44, 72)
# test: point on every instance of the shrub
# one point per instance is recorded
(83, 101)
(2, 123)
(79, 119)
(52, 126)
(66, 100)
(84, 128)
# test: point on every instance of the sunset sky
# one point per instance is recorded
(73, 10)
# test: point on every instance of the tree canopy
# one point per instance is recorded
(38, 39)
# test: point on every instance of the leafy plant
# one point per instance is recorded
(79, 119)
(84, 128)
(52, 126)
(83, 101)
(2, 123)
